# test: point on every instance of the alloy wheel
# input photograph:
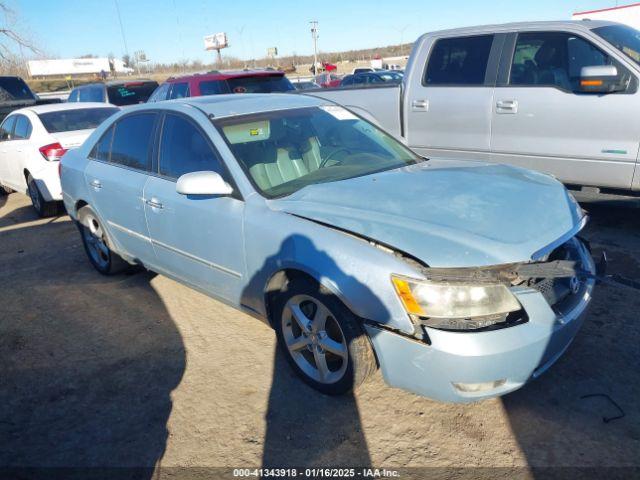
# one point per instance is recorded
(95, 240)
(314, 339)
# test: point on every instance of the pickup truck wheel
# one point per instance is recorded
(321, 338)
(94, 240)
(43, 208)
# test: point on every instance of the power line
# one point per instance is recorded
(124, 39)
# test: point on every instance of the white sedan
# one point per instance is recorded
(32, 141)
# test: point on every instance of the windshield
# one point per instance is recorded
(12, 88)
(625, 39)
(286, 150)
(261, 84)
(130, 93)
(70, 120)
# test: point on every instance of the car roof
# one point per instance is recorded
(230, 104)
(226, 75)
(58, 107)
(112, 83)
(586, 24)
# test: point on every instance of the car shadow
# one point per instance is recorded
(305, 428)
(568, 417)
(88, 362)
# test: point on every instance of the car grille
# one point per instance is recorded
(558, 292)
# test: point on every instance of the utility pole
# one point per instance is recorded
(314, 35)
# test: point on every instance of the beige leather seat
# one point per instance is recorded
(278, 160)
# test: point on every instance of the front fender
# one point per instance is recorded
(356, 271)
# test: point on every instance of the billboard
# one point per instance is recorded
(216, 41)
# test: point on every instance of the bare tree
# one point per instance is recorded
(10, 37)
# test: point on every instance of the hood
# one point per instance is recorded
(72, 139)
(447, 213)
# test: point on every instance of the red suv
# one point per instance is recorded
(213, 83)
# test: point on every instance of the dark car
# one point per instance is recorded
(370, 78)
(214, 82)
(15, 94)
(117, 92)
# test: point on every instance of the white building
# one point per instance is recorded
(76, 66)
(627, 14)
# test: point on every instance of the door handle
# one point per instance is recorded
(95, 184)
(420, 105)
(507, 106)
(154, 203)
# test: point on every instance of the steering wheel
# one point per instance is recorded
(331, 155)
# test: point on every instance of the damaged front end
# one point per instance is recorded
(486, 298)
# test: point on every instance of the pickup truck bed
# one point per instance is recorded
(377, 103)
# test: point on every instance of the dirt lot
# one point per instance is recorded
(138, 370)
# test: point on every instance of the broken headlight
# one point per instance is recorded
(456, 306)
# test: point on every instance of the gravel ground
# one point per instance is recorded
(138, 370)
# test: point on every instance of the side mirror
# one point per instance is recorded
(202, 183)
(600, 79)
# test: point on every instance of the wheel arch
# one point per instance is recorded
(280, 278)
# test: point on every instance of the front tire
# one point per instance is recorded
(321, 338)
(42, 207)
(96, 245)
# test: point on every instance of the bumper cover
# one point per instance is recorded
(511, 355)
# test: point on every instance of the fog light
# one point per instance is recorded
(479, 387)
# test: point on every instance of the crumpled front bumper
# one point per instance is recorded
(511, 356)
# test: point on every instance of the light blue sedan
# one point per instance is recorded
(460, 280)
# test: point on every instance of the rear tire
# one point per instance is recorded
(321, 338)
(96, 244)
(5, 190)
(42, 207)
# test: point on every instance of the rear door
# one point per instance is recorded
(20, 150)
(119, 166)
(449, 97)
(196, 238)
(6, 150)
(541, 120)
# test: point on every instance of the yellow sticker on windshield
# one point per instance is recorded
(255, 131)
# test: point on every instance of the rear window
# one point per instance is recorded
(130, 93)
(14, 89)
(213, 87)
(263, 84)
(80, 119)
(459, 61)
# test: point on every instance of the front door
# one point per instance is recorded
(196, 238)
(542, 122)
(448, 107)
(118, 169)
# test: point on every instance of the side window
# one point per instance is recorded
(22, 129)
(459, 61)
(179, 90)
(184, 149)
(553, 59)
(160, 93)
(93, 93)
(73, 96)
(132, 141)
(101, 150)
(6, 129)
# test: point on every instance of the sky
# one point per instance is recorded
(173, 30)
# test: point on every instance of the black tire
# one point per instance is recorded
(5, 190)
(42, 208)
(360, 358)
(97, 245)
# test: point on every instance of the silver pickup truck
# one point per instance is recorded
(558, 97)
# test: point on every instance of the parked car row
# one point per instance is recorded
(459, 279)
